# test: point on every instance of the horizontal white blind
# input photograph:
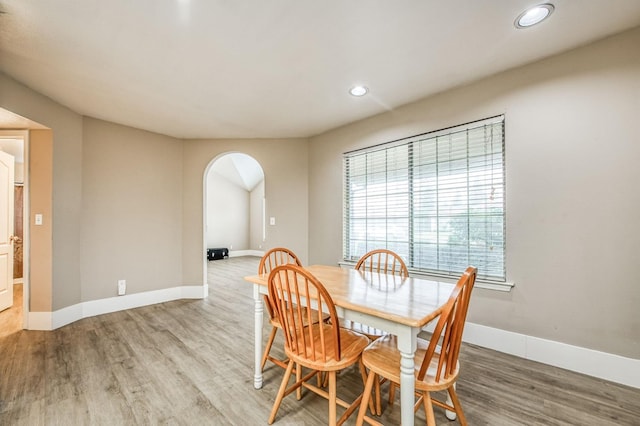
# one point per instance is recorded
(437, 199)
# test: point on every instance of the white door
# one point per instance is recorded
(6, 230)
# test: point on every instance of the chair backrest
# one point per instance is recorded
(446, 339)
(383, 261)
(296, 294)
(275, 257)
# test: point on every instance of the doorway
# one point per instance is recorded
(234, 205)
(12, 320)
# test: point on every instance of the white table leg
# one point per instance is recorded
(407, 348)
(257, 298)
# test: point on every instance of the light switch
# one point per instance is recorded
(38, 219)
(272, 221)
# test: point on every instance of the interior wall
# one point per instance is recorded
(286, 191)
(131, 210)
(256, 217)
(572, 197)
(228, 210)
(85, 236)
(66, 186)
(19, 173)
(40, 236)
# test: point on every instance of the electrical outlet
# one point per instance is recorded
(122, 287)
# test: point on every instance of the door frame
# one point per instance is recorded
(205, 211)
(26, 258)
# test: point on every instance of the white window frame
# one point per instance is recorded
(420, 196)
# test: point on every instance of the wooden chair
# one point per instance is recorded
(381, 261)
(436, 358)
(272, 258)
(320, 346)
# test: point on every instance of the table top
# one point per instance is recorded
(409, 301)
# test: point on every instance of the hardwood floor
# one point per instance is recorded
(190, 362)
(11, 318)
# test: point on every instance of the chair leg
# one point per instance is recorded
(392, 393)
(363, 373)
(378, 403)
(281, 391)
(332, 398)
(298, 376)
(366, 397)
(267, 347)
(456, 404)
(428, 409)
(451, 415)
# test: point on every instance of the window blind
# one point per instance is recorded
(436, 199)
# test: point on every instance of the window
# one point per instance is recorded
(437, 199)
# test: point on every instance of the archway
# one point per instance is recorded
(234, 205)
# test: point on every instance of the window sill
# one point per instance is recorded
(484, 284)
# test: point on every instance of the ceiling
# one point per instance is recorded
(240, 169)
(277, 68)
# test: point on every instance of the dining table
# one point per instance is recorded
(396, 305)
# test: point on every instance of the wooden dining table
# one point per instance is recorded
(400, 306)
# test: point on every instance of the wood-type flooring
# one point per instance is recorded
(190, 362)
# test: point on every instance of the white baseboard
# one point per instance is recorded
(64, 316)
(603, 365)
(238, 253)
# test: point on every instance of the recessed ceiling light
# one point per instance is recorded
(358, 90)
(534, 15)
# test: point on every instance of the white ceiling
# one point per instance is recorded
(240, 169)
(276, 68)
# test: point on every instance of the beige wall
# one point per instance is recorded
(131, 210)
(228, 211)
(256, 219)
(572, 148)
(67, 185)
(19, 173)
(284, 163)
(128, 204)
(40, 236)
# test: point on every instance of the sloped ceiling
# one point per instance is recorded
(240, 169)
(277, 68)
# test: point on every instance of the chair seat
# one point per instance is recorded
(383, 358)
(351, 346)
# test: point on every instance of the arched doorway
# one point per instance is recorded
(234, 206)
